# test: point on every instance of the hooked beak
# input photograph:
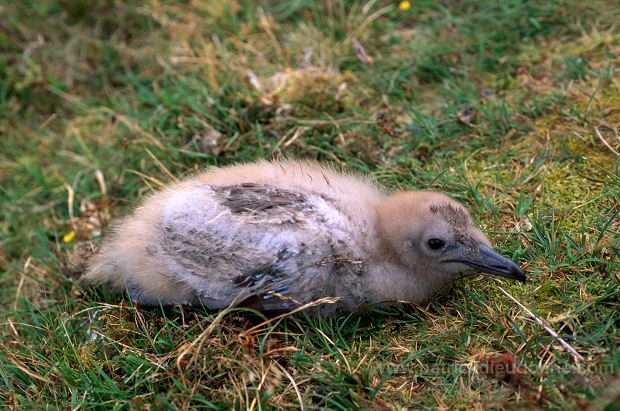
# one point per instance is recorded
(490, 262)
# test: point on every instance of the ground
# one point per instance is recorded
(512, 107)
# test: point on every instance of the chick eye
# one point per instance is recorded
(436, 243)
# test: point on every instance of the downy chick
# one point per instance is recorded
(276, 235)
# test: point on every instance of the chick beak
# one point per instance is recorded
(489, 261)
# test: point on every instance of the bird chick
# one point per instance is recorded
(277, 235)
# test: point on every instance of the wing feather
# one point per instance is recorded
(231, 243)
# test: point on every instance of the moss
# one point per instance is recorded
(563, 189)
(87, 354)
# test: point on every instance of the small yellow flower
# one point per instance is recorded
(69, 237)
(404, 5)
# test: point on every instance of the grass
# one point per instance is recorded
(499, 104)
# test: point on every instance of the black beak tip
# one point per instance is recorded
(493, 263)
(517, 273)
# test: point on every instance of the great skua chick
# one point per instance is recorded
(277, 235)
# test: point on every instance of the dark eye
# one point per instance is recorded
(436, 244)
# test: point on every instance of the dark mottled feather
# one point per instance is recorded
(250, 198)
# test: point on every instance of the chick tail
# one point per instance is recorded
(102, 271)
